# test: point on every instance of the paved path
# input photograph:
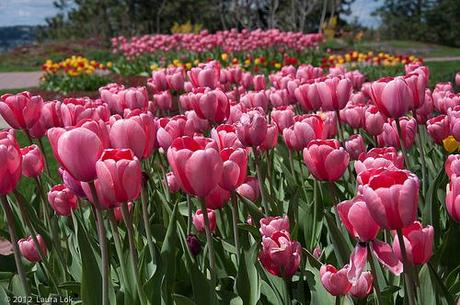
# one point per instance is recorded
(445, 58)
(15, 80)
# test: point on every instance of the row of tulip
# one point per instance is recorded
(195, 199)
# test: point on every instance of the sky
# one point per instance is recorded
(34, 12)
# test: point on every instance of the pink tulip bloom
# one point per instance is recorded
(271, 138)
(28, 249)
(438, 128)
(283, 117)
(172, 183)
(357, 219)
(270, 225)
(195, 123)
(77, 150)
(225, 137)
(390, 136)
(335, 281)
(363, 287)
(117, 213)
(11, 167)
(189, 159)
(356, 78)
(452, 165)
(198, 220)
(71, 183)
(391, 196)
(353, 115)
(217, 198)
(234, 167)
(454, 120)
(453, 197)
(249, 189)
(280, 255)
(392, 96)
(22, 110)
(425, 112)
(259, 82)
(417, 85)
(302, 132)
(379, 157)
(163, 100)
(307, 96)
(373, 121)
(134, 98)
(255, 99)
(171, 128)
(176, 80)
(457, 79)
(62, 200)
(120, 175)
(418, 241)
(213, 105)
(334, 93)
(355, 146)
(252, 128)
(325, 159)
(33, 161)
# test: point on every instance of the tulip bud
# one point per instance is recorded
(325, 159)
(354, 145)
(249, 189)
(28, 249)
(173, 185)
(62, 200)
(335, 281)
(193, 244)
(418, 242)
(270, 225)
(363, 286)
(33, 161)
(11, 167)
(198, 220)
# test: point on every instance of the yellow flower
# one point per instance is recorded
(247, 62)
(154, 67)
(450, 144)
(109, 64)
(257, 61)
(277, 65)
(224, 56)
(188, 65)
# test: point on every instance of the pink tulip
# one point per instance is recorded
(438, 128)
(213, 105)
(392, 96)
(62, 200)
(171, 128)
(234, 168)
(189, 159)
(198, 220)
(217, 198)
(334, 93)
(363, 287)
(418, 241)
(120, 175)
(452, 165)
(307, 96)
(176, 80)
(158, 81)
(325, 159)
(136, 132)
(457, 79)
(271, 138)
(77, 150)
(163, 100)
(225, 137)
(22, 110)
(134, 98)
(100, 128)
(425, 112)
(11, 166)
(353, 115)
(280, 255)
(283, 117)
(255, 99)
(195, 123)
(33, 161)
(172, 183)
(71, 183)
(390, 136)
(270, 225)
(302, 132)
(355, 146)
(335, 281)
(379, 157)
(117, 213)
(454, 120)
(373, 121)
(453, 197)
(417, 86)
(259, 82)
(28, 249)
(252, 128)
(357, 219)
(207, 77)
(391, 196)
(356, 78)
(249, 189)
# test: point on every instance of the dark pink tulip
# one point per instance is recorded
(252, 128)
(225, 137)
(189, 159)
(198, 220)
(270, 225)
(453, 197)
(33, 161)
(418, 241)
(77, 150)
(99, 127)
(259, 82)
(235, 167)
(171, 128)
(176, 80)
(392, 96)
(207, 77)
(303, 131)
(454, 120)
(217, 198)
(163, 100)
(134, 98)
(385, 255)
(212, 105)
(356, 78)
(325, 159)
(193, 244)
(452, 165)
(438, 128)
(330, 124)
(354, 145)
(307, 96)
(363, 286)
(22, 110)
(75, 110)
(39, 129)
(373, 121)
(457, 79)
(417, 67)
(118, 214)
(391, 196)
(28, 249)
(335, 281)
(357, 219)
(271, 138)
(50, 114)
(62, 200)
(283, 117)
(11, 166)
(390, 136)
(334, 93)
(105, 199)
(379, 157)
(417, 86)
(173, 185)
(196, 123)
(425, 112)
(280, 255)
(136, 132)
(119, 174)
(158, 82)
(353, 115)
(249, 189)
(255, 99)
(71, 183)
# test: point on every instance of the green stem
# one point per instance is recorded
(29, 138)
(261, 181)
(422, 156)
(408, 281)
(190, 213)
(42, 147)
(401, 143)
(315, 212)
(370, 256)
(235, 215)
(145, 219)
(339, 127)
(118, 248)
(338, 300)
(102, 245)
(14, 242)
(212, 257)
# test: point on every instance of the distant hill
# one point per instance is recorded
(14, 36)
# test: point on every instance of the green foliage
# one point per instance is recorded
(66, 83)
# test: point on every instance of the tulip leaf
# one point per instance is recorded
(426, 287)
(247, 282)
(319, 295)
(439, 286)
(341, 247)
(254, 210)
(181, 300)
(168, 258)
